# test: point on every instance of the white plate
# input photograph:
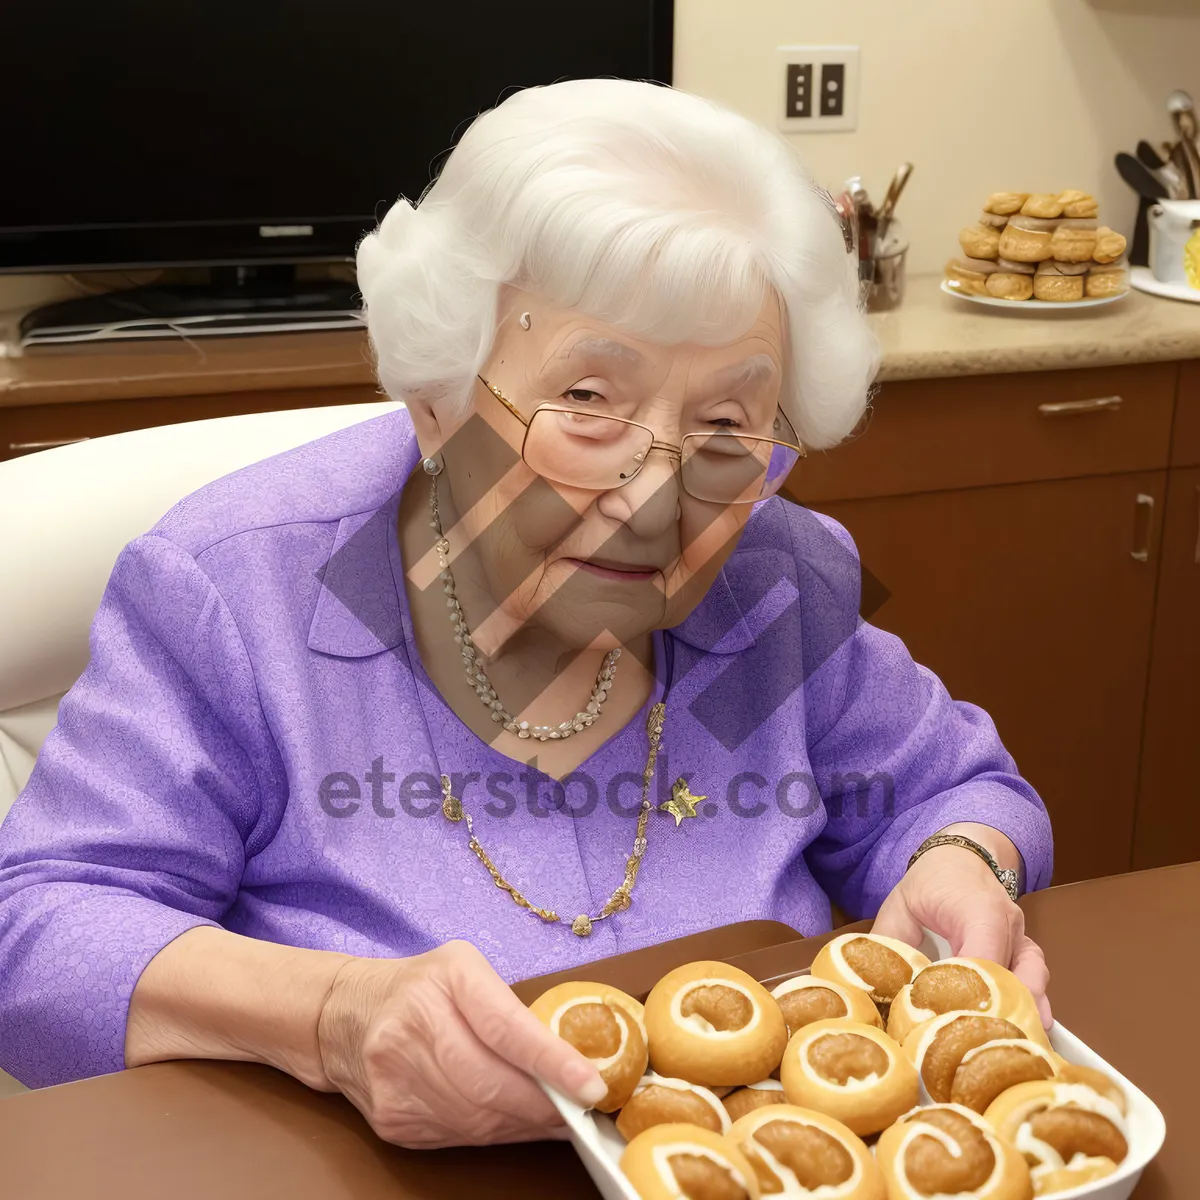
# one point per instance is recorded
(1032, 305)
(600, 1146)
(1145, 280)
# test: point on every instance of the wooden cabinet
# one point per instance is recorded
(24, 430)
(49, 398)
(1168, 815)
(1168, 818)
(1026, 600)
(937, 434)
(1034, 545)
(1185, 443)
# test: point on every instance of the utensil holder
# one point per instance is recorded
(886, 288)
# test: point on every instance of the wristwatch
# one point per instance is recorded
(1009, 880)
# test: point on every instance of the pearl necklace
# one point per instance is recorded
(473, 660)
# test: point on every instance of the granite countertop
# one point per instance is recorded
(933, 335)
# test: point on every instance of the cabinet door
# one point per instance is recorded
(1028, 600)
(1168, 815)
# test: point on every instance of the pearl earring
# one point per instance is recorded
(526, 320)
(432, 466)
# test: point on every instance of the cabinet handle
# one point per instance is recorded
(1145, 510)
(26, 447)
(1070, 408)
(1196, 556)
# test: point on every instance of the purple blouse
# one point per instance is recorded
(254, 744)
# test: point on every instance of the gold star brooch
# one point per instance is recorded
(682, 803)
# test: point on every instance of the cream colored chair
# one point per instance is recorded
(67, 514)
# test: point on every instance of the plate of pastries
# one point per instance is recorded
(879, 1074)
(1042, 250)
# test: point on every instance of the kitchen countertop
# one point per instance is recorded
(933, 335)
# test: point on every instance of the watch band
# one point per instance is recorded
(1009, 879)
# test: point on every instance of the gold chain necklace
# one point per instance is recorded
(452, 810)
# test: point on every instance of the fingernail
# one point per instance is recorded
(591, 1094)
(585, 1084)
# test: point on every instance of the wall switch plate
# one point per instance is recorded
(819, 88)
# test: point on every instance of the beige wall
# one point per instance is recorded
(981, 95)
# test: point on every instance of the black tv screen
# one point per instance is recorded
(160, 132)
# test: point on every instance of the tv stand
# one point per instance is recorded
(236, 300)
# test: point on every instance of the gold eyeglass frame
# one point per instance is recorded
(655, 444)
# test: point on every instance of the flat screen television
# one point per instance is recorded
(246, 134)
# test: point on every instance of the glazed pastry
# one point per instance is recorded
(1107, 279)
(1078, 204)
(1071, 268)
(808, 998)
(1015, 268)
(798, 1152)
(878, 965)
(1110, 245)
(1037, 224)
(1051, 284)
(687, 1162)
(660, 1101)
(756, 1095)
(710, 1023)
(1068, 1132)
(1100, 1083)
(966, 985)
(995, 220)
(1073, 241)
(969, 275)
(1006, 286)
(980, 241)
(969, 1060)
(852, 1072)
(603, 1024)
(1005, 202)
(1027, 239)
(1042, 204)
(949, 1151)
(1092, 1170)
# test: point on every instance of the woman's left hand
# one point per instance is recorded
(953, 892)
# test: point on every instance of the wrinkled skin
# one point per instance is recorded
(436, 1050)
(954, 893)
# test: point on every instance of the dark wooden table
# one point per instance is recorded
(192, 1131)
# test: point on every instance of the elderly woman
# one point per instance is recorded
(536, 669)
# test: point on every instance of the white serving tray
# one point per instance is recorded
(597, 1142)
(1038, 306)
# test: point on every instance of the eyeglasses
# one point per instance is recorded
(599, 452)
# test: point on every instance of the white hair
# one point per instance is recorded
(651, 209)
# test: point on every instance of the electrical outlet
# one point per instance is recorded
(820, 88)
(833, 89)
(798, 102)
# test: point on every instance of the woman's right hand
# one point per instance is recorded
(436, 1050)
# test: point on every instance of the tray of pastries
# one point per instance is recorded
(880, 1073)
(1041, 251)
